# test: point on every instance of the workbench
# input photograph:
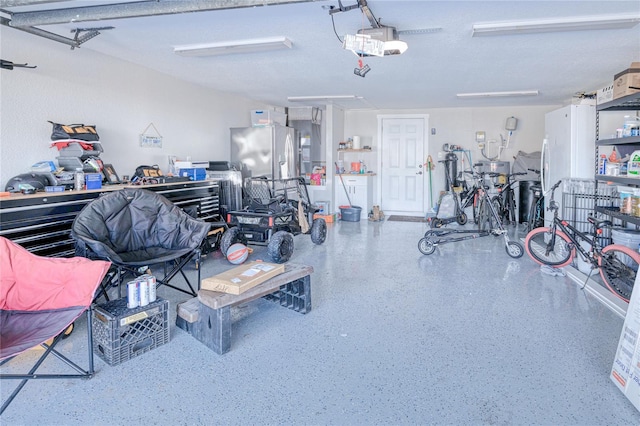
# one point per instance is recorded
(207, 317)
(41, 222)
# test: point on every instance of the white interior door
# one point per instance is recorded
(402, 168)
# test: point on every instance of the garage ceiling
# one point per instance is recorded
(441, 62)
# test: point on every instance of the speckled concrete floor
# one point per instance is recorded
(466, 335)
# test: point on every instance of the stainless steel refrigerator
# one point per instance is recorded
(270, 151)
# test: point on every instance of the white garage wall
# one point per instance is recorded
(458, 126)
(120, 98)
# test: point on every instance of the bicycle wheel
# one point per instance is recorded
(511, 208)
(499, 206)
(618, 268)
(483, 215)
(474, 207)
(461, 218)
(547, 249)
(486, 221)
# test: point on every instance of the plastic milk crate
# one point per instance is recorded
(120, 333)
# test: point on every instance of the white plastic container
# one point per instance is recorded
(633, 166)
(626, 198)
(626, 237)
(630, 126)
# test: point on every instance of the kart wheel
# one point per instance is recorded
(280, 246)
(230, 237)
(461, 218)
(436, 223)
(318, 231)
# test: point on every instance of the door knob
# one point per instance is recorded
(419, 173)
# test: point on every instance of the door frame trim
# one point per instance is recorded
(425, 146)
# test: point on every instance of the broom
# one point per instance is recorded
(343, 185)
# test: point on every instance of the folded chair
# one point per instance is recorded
(135, 229)
(40, 297)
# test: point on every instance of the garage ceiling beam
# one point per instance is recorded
(16, 3)
(133, 10)
(42, 33)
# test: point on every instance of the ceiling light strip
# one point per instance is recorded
(322, 98)
(575, 23)
(238, 46)
(497, 94)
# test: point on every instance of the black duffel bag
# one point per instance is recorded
(81, 132)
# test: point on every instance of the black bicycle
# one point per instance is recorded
(535, 216)
(470, 196)
(505, 201)
(557, 245)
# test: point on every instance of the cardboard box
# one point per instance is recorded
(625, 371)
(605, 94)
(627, 82)
(241, 278)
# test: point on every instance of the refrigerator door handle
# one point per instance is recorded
(543, 163)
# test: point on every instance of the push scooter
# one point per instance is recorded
(444, 208)
(489, 224)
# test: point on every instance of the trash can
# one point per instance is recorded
(526, 199)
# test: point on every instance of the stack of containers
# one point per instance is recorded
(629, 204)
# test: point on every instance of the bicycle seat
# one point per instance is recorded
(599, 224)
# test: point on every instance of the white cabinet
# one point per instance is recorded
(360, 190)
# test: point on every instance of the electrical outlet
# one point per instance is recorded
(440, 155)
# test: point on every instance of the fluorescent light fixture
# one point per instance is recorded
(575, 23)
(497, 94)
(322, 98)
(238, 46)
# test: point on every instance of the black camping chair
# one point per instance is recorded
(137, 228)
(40, 297)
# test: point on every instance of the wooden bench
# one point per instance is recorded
(208, 316)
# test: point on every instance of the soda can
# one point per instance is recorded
(133, 294)
(151, 279)
(144, 292)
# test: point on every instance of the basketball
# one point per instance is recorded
(237, 253)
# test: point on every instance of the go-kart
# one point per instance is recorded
(274, 211)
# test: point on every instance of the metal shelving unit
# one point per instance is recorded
(626, 103)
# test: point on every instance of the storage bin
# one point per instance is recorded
(120, 333)
(323, 207)
(93, 180)
(194, 174)
(261, 118)
(350, 213)
(626, 237)
(328, 218)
